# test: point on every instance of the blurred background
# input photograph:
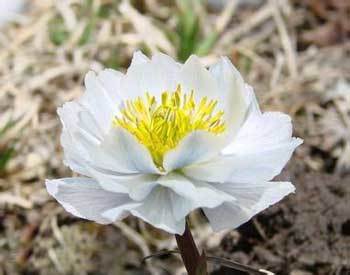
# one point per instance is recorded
(296, 54)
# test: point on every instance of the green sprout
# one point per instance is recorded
(58, 32)
(189, 32)
(7, 149)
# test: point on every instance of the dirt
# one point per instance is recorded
(308, 233)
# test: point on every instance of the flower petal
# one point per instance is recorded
(138, 186)
(167, 203)
(224, 83)
(251, 199)
(261, 131)
(194, 76)
(158, 210)
(110, 79)
(154, 76)
(261, 166)
(138, 58)
(259, 152)
(84, 198)
(181, 195)
(232, 93)
(196, 147)
(121, 152)
(75, 154)
(80, 118)
(84, 146)
(251, 101)
(201, 193)
(98, 101)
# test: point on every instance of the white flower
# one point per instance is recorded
(166, 138)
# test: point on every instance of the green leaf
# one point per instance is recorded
(105, 11)
(207, 44)
(88, 31)
(88, 12)
(87, 5)
(187, 29)
(58, 32)
(7, 150)
(7, 126)
(5, 157)
(113, 60)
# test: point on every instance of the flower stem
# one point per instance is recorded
(194, 262)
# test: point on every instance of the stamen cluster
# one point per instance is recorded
(160, 127)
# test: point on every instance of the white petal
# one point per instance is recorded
(166, 203)
(121, 152)
(259, 166)
(110, 79)
(138, 58)
(251, 199)
(202, 193)
(75, 155)
(196, 147)
(98, 101)
(251, 100)
(261, 131)
(154, 76)
(90, 126)
(138, 186)
(84, 146)
(84, 198)
(232, 93)
(185, 195)
(261, 149)
(81, 128)
(194, 76)
(158, 210)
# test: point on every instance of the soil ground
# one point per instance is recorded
(308, 233)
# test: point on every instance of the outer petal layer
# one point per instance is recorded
(84, 198)
(260, 166)
(159, 210)
(75, 154)
(167, 201)
(167, 210)
(85, 145)
(88, 118)
(261, 132)
(258, 153)
(251, 199)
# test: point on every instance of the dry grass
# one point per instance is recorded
(43, 58)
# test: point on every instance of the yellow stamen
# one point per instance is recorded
(160, 127)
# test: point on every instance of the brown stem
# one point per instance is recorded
(190, 255)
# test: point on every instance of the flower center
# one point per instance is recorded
(161, 126)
